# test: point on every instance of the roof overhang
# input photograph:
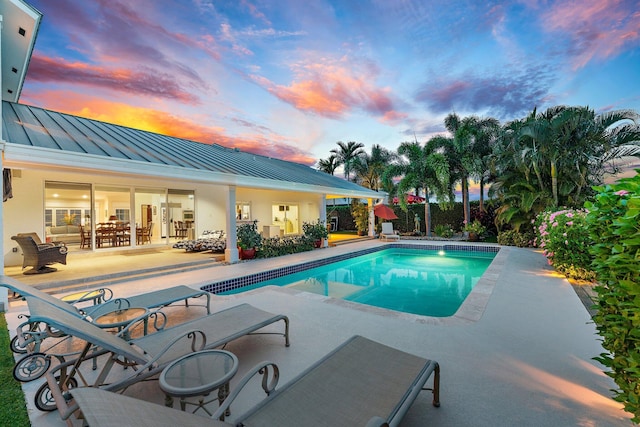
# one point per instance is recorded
(37, 158)
(20, 23)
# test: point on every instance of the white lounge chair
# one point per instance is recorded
(388, 233)
(360, 383)
(148, 354)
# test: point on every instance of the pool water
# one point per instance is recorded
(428, 283)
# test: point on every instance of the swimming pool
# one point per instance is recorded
(425, 282)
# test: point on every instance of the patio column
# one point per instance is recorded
(323, 216)
(372, 231)
(231, 252)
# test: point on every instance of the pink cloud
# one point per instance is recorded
(599, 29)
(331, 90)
(45, 69)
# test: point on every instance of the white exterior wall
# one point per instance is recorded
(262, 201)
(25, 211)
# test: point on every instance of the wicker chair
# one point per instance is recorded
(40, 255)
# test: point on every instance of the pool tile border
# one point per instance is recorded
(240, 282)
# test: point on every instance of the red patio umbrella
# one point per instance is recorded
(384, 212)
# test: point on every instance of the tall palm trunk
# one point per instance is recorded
(554, 182)
(481, 203)
(465, 200)
(427, 213)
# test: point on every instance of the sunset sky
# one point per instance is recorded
(290, 78)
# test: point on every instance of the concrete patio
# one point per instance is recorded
(521, 355)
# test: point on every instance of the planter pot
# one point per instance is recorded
(360, 233)
(473, 237)
(317, 243)
(248, 253)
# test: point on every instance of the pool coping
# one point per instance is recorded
(470, 311)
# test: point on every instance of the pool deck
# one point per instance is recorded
(518, 353)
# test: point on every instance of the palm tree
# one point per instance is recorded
(347, 155)
(485, 132)
(329, 165)
(369, 168)
(554, 158)
(425, 168)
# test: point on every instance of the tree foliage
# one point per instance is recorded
(614, 226)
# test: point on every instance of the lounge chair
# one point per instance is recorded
(148, 355)
(361, 383)
(40, 255)
(30, 334)
(388, 233)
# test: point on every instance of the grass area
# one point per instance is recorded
(13, 411)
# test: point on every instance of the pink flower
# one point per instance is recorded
(621, 193)
(569, 215)
(569, 222)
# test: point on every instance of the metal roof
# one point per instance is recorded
(20, 23)
(112, 147)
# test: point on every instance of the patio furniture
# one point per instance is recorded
(147, 355)
(199, 374)
(31, 333)
(388, 233)
(40, 255)
(361, 383)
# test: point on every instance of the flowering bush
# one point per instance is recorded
(614, 225)
(564, 240)
(475, 227)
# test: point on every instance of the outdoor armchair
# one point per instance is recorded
(40, 255)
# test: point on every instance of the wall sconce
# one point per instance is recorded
(113, 218)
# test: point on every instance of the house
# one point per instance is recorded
(63, 173)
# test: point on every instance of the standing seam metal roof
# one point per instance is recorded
(37, 127)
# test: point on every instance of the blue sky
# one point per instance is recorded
(290, 78)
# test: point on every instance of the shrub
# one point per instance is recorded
(277, 246)
(316, 230)
(565, 241)
(516, 238)
(614, 226)
(444, 230)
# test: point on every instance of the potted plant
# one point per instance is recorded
(316, 231)
(360, 214)
(475, 230)
(248, 239)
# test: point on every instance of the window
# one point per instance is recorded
(243, 211)
(123, 215)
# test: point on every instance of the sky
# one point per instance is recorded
(291, 78)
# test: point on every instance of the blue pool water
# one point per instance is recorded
(428, 283)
